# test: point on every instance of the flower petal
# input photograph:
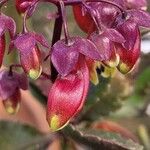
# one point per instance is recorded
(64, 57)
(103, 45)
(41, 39)
(142, 18)
(7, 23)
(129, 30)
(31, 62)
(87, 48)
(9, 83)
(92, 66)
(2, 48)
(12, 104)
(22, 5)
(84, 20)
(67, 96)
(25, 43)
(114, 58)
(134, 4)
(128, 58)
(114, 35)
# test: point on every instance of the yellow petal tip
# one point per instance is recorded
(123, 68)
(9, 108)
(54, 123)
(113, 63)
(34, 74)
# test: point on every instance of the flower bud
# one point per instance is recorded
(67, 96)
(2, 48)
(31, 62)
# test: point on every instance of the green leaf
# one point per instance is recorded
(14, 135)
(142, 81)
(95, 139)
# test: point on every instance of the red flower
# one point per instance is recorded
(30, 55)
(67, 96)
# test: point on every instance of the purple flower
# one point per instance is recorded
(64, 57)
(10, 85)
(30, 55)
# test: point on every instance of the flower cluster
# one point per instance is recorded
(112, 42)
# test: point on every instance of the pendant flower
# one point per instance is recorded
(67, 96)
(30, 55)
(10, 85)
(64, 57)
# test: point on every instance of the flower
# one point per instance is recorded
(67, 96)
(30, 55)
(10, 85)
(64, 57)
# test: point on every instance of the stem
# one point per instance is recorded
(24, 30)
(11, 68)
(27, 13)
(143, 135)
(63, 15)
(56, 37)
(74, 2)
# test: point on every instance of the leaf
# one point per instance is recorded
(101, 140)
(143, 81)
(14, 135)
